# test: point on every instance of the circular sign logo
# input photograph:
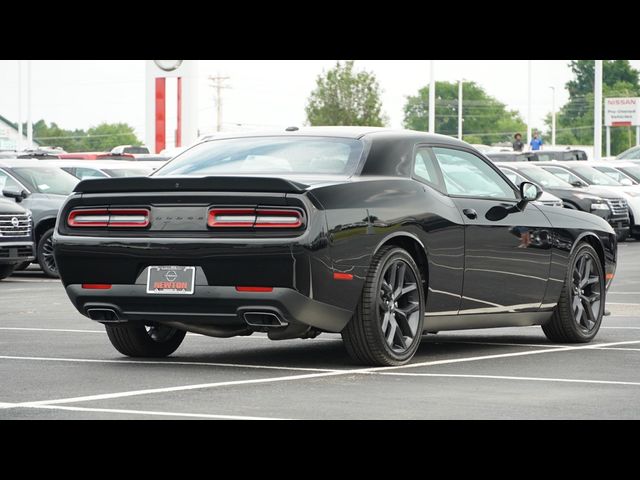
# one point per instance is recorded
(168, 65)
(170, 276)
(15, 222)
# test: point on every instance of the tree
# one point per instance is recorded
(99, 138)
(574, 121)
(345, 97)
(486, 120)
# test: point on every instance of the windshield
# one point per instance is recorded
(633, 172)
(544, 178)
(128, 172)
(48, 179)
(593, 176)
(268, 155)
(632, 153)
(135, 150)
(617, 175)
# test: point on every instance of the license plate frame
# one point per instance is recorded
(171, 280)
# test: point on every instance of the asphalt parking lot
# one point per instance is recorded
(56, 364)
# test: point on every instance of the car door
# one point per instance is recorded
(507, 260)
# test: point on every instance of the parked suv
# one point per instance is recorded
(16, 237)
(41, 187)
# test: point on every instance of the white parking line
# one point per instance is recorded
(6, 405)
(288, 378)
(539, 345)
(505, 377)
(62, 330)
(151, 412)
(621, 349)
(166, 362)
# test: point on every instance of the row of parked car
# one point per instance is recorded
(34, 184)
(609, 189)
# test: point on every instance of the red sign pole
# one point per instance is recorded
(160, 114)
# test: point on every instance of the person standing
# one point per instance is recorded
(536, 142)
(517, 143)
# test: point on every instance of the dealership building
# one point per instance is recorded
(9, 135)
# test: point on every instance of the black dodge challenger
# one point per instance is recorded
(381, 235)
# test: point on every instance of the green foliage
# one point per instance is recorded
(100, 138)
(486, 120)
(345, 97)
(574, 121)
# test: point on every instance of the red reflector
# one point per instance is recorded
(97, 286)
(254, 289)
(609, 276)
(342, 276)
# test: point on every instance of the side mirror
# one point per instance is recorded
(17, 195)
(579, 184)
(626, 182)
(530, 191)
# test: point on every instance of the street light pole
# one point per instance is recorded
(20, 133)
(597, 112)
(432, 99)
(459, 109)
(529, 102)
(553, 116)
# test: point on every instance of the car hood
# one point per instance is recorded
(10, 207)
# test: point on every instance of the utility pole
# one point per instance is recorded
(529, 102)
(29, 124)
(20, 133)
(432, 99)
(217, 82)
(597, 112)
(553, 116)
(459, 109)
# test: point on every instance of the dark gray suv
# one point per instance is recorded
(16, 237)
(42, 188)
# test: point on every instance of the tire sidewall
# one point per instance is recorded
(391, 256)
(569, 283)
(41, 262)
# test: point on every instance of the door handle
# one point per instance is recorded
(470, 213)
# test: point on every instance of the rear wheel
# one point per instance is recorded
(145, 341)
(387, 325)
(45, 255)
(6, 270)
(579, 312)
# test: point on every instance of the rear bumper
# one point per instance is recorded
(216, 306)
(16, 252)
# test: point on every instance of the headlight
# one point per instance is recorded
(584, 196)
(599, 206)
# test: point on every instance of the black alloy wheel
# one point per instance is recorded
(45, 255)
(388, 322)
(578, 314)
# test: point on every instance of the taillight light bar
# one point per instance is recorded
(109, 217)
(255, 218)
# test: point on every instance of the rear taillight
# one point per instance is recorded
(109, 217)
(255, 218)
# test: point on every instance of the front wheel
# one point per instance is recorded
(45, 255)
(6, 270)
(578, 315)
(387, 325)
(145, 341)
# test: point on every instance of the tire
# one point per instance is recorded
(141, 341)
(565, 326)
(45, 255)
(22, 266)
(6, 270)
(375, 335)
(622, 236)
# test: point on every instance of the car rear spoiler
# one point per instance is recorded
(164, 184)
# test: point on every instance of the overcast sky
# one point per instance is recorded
(80, 94)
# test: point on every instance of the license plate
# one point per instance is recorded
(170, 279)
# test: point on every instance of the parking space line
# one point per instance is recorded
(621, 349)
(289, 378)
(539, 345)
(152, 412)
(62, 330)
(6, 405)
(166, 362)
(506, 377)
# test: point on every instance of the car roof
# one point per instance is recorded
(26, 162)
(97, 164)
(354, 132)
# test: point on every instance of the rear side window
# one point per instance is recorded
(424, 169)
(268, 155)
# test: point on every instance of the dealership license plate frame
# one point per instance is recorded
(182, 273)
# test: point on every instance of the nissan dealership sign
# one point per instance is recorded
(622, 112)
